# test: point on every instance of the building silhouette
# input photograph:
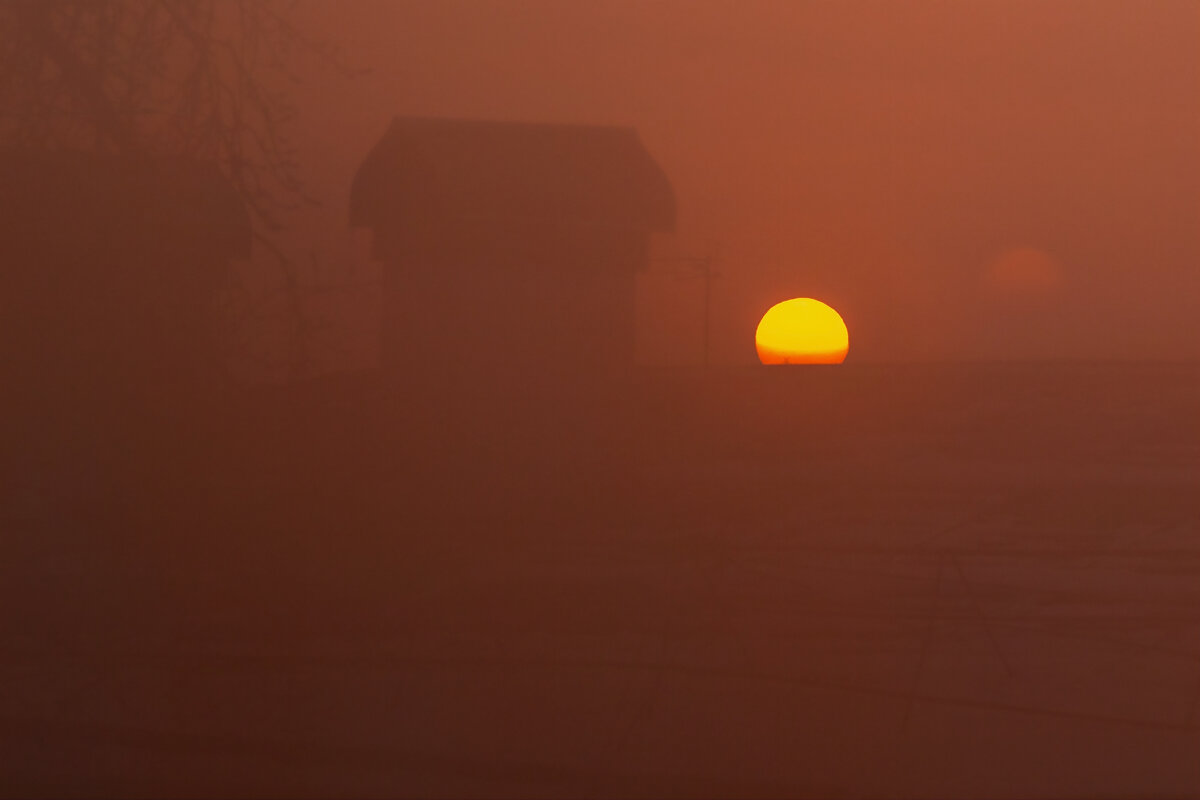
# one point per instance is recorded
(110, 272)
(112, 267)
(510, 249)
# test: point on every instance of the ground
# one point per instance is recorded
(884, 581)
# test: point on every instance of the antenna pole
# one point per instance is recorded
(706, 265)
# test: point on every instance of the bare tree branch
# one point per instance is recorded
(204, 79)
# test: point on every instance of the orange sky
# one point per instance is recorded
(881, 156)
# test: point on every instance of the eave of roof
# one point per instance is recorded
(191, 198)
(464, 170)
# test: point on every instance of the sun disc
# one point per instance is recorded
(801, 331)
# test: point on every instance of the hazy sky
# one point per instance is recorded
(881, 156)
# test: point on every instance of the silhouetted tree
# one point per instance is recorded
(203, 79)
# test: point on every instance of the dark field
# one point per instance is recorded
(869, 580)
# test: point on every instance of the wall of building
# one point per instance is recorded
(525, 307)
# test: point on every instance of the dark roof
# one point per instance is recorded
(464, 170)
(49, 198)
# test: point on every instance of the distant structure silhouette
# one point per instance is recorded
(110, 271)
(112, 266)
(511, 248)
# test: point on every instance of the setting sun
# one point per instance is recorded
(801, 331)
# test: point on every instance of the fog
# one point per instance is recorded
(876, 155)
(380, 412)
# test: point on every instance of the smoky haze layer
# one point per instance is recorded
(878, 157)
(519, 516)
